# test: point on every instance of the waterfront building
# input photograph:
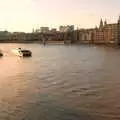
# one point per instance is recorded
(41, 30)
(118, 31)
(18, 36)
(61, 28)
(53, 30)
(5, 35)
(44, 29)
(98, 35)
(84, 35)
(67, 28)
(104, 33)
(111, 32)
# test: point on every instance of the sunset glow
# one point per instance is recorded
(23, 15)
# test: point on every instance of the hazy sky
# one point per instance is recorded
(23, 15)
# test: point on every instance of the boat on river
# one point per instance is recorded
(1, 54)
(22, 52)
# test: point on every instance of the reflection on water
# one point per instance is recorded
(60, 83)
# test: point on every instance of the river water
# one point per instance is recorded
(78, 82)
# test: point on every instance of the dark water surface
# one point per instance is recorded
(60, 83)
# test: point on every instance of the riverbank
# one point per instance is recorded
(61, 43)
(27, 42)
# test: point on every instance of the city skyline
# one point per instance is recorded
(27, 14)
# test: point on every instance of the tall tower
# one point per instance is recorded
(101, 24)
(33, 30)
(105, 22)
(118, 31)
